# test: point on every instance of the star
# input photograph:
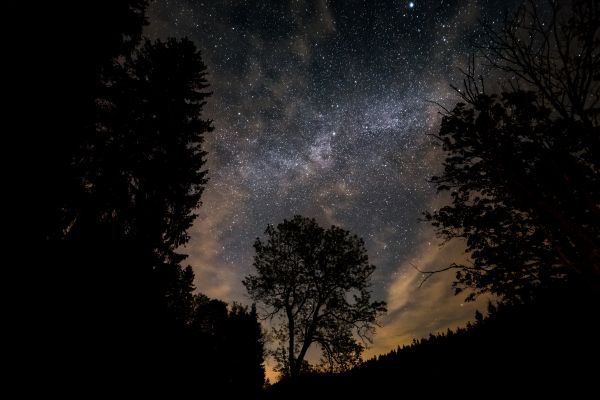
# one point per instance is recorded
(290, 82)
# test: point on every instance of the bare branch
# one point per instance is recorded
(429, 274)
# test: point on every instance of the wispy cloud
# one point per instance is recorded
(414, 311)
(213, 276)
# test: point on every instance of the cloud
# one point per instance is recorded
(213, 275)
(413, 311)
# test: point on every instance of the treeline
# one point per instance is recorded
(224, 349)
(543, 347)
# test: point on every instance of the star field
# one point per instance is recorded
(322, 108)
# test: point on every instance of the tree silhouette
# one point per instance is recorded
(316, 281)
(103, 32)
(149, 144)
(120, 170)
(143, 180)
(522, 167)
(149, 147)
(539, 347)
(229, 348)
(66, 55)
(552, 49)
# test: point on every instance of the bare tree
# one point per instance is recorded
(554, 48)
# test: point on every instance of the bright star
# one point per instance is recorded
(411, 4)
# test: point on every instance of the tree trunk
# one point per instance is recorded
(293, 371)
(307, 342)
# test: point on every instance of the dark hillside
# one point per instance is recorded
(541, 348)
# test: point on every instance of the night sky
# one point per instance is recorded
(322, 108)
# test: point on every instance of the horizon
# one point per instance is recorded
(324, 110)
